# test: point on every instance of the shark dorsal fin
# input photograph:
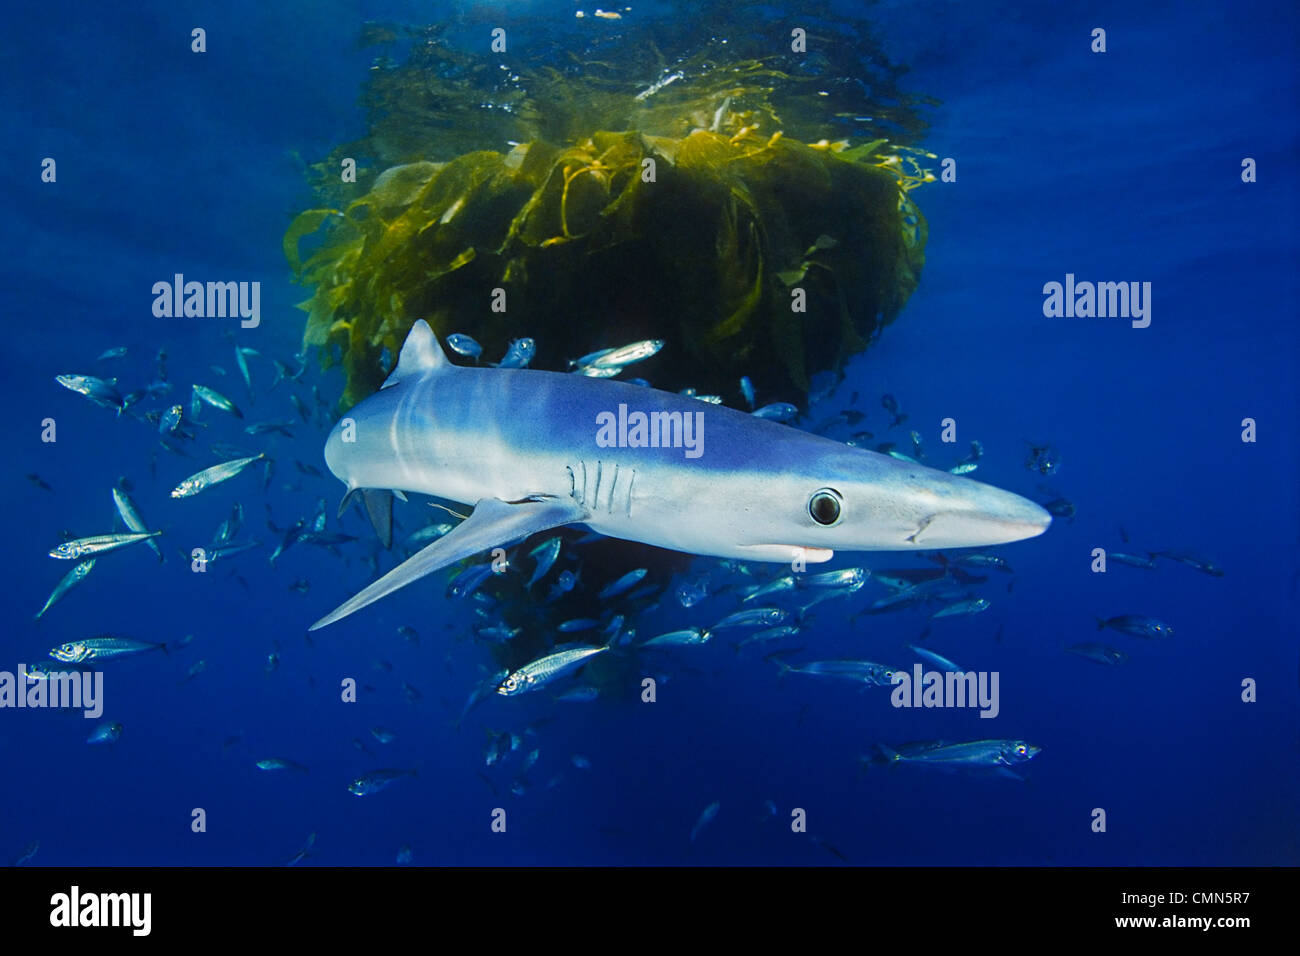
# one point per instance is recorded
(421, 354)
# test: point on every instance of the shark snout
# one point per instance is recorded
(991, 516)
(334, 452)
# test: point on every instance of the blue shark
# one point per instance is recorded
(533, 450)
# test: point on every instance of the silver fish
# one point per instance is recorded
(285, 372)
(229, 529)
(211, 476)
(777, 412)
(753, 617)
(1134, 560)
(303, 853)
(469, 580)
(464, 345)
(581, 695)
(866, 672)
(102, 648)
(706, 817)
(73, 577)
(499, 633)
(626, 355)
(224, 449)
(974, 754)
(769, 634)
(98, 390)
(279, 763)
(98, 544)
(981, 561)
(622, 584)
(1099, 653)
(262, 428)
(785, 583)
(217, 400)
(846, 578)
(1137, 625)
(895, 453)
(585, 366)
(692, 592)
(521, 352)
(937, 659)
(105, 734)
(1193, 561)
(578, 624)
(171, 420)
(376, 781)
(545, 553)
(28, 852)
(240, 353)
(43, 671)
(480, 693)
(230, 550)
(539, 673)
(429, 533)
(690, 635)
(131, 518)
(963, 607)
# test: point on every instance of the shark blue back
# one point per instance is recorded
(550, 449)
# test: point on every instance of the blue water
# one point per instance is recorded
(1120, 166)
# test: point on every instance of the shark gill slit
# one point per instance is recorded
(613, 483)
(590, 493)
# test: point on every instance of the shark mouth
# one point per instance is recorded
(787, 553)
(975, 529)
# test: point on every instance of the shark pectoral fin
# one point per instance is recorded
(493, 523)
(379, 509)
(347, 499)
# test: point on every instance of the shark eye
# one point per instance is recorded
(824, 506)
